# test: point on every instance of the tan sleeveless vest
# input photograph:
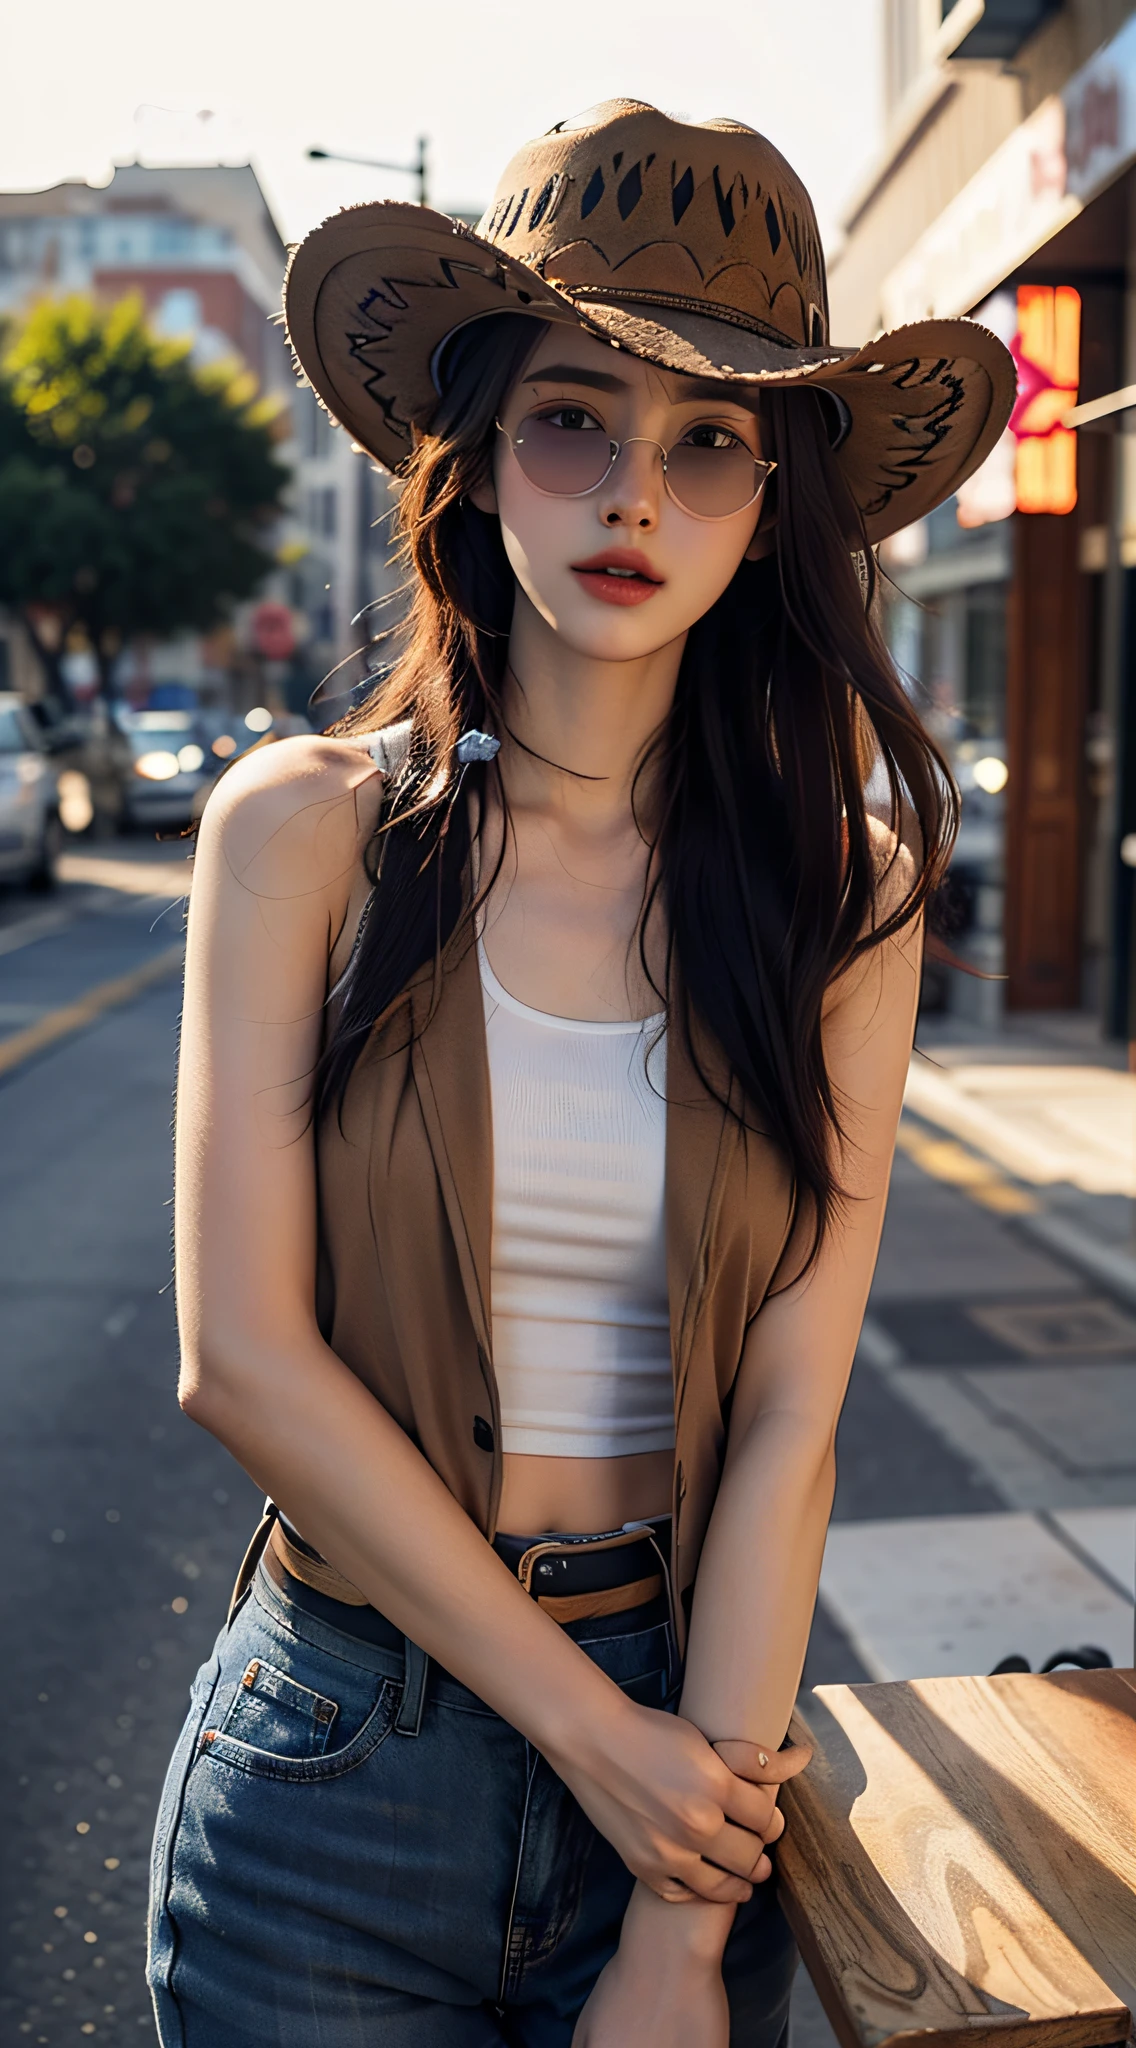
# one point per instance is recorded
(405, 1215)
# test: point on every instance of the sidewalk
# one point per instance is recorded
(987, 1494)
(1053, 1107)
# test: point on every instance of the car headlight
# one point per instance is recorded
(190, 758)
(158, 766)
(29, 768)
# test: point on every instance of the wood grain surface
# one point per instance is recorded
(959, 1859)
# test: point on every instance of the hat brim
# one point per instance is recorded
(372, 296)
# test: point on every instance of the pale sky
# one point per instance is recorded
(86, 85)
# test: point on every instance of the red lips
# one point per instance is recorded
(638, 582)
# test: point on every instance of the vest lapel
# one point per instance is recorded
(700, 1137)
(451, 1073)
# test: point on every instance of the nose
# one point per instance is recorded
(634, 486)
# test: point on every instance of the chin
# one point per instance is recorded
(607, 634)
(622, 642)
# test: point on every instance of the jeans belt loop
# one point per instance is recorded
(261, 1534)
(408, 1720)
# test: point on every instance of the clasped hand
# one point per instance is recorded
(689, 1818)
(715, 1812)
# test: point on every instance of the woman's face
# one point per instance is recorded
(623, 570)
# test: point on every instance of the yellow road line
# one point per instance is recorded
(109, 995)
(976, 1178)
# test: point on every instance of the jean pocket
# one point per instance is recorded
(272, 1711)
(280, 1727)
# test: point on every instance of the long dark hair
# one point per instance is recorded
(787, 705)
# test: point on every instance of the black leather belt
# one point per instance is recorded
(576, 1578)
(573, 1578)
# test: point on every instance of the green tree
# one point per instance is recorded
(137, 493)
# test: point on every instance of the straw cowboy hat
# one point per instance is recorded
(694, 247)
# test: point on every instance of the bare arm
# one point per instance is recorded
(277, 873)
(758, 1573)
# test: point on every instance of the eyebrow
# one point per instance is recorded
(698, 390)
(568, 373)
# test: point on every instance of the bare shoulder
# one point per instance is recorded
(886, 974)
(293, 817)
(894, 865)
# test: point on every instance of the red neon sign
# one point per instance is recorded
(1047, 352)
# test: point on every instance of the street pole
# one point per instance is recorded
(418, 170)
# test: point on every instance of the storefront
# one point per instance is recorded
(1011, 604)
(947, 608)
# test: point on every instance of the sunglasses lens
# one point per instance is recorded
(565, 461)
(713, 482)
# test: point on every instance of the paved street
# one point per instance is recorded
(120, 1520)
(987, 1493)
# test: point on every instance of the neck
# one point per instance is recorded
(593, 718)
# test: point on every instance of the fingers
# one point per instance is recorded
(758, 1866)
(694, 1825)
(721, 1887)
(776, 1826)
(735, 1849)
(704, 1880)
(759, 1766)
(713, 1885)
(748, 1806)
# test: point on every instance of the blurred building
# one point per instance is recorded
(1006, 191)
(199, 244)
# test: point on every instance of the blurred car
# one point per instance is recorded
(30, 831)
(62, 728)
(91, 759)
(167, 768)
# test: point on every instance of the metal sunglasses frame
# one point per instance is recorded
(615, 450)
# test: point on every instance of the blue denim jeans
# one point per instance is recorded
(347, 1859)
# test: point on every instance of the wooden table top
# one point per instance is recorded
(959, 1859)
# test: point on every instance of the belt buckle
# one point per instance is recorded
(563, 1608)
(616, 1539)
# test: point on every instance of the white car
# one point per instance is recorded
(30, 831)
(169, 772)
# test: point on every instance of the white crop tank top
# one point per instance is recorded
(581, 1329)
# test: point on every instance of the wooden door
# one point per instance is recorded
(1046, 699)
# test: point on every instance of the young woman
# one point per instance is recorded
(545, 1036)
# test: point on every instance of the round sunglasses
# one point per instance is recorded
(706, 481)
